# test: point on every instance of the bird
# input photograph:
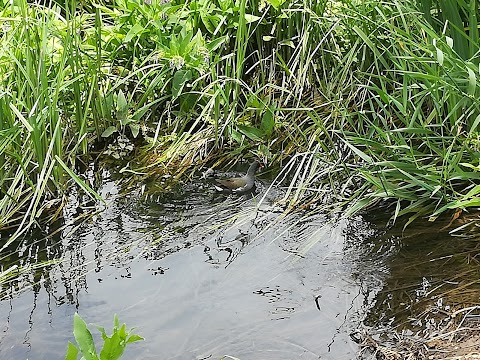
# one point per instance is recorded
(239, 185)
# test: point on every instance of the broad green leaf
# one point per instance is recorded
(253, 102)
(268, 122)
(287, 43)
(72, 352)
(217, 42)
(235, 135)
(135, 129)
(268, 38)
(84, 338)
(102, 332)
(109, 131)
(251, 132)
(140, 112)
(113, 347)
(134, 338)
(134, 31)
(122, 106)
(226, 4)
(249, 18)
(210, 21)
(180, 78)
(126, 121)
(276, 3)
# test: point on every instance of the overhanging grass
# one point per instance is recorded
(371, 99)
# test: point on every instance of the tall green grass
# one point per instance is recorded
(414, 124)
(363, 101)
(42, 105)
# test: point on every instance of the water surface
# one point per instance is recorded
(201, 275)
(198, 274)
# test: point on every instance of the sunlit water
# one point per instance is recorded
(200, 275)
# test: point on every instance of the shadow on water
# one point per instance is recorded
(201, 275)
(431, 273)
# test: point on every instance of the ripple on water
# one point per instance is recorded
(199, 275)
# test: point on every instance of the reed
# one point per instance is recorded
(365, 101)
(42, 108)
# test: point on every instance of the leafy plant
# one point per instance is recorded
(113, 346)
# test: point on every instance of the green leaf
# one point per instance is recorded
(276, 3)
(210, 21)
(287, 43)
(72, 352)
(472, 81)
(122, 106)
(251, 132)
(116, 321)
(135, 129)
(249, 18)
(268, 122)
(216, 43)
(140, 112)
(180, 78)
(235, 135)
(440, 56)
(359, 152)
(473, 192)
(88, 190)
(109, 131)
(134, 31)
(113, 347)
(84, 338)
(134, 338)
(359, 205)
(371, 45)
(126, 121)
(102, 331)
(473, 128)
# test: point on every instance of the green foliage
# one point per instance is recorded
(385, 97)
(459, 21)
(419, 112)
(113, 346)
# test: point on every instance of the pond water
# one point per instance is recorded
(201, 275)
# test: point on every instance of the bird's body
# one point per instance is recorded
(239, 185)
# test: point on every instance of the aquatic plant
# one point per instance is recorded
(113, 346)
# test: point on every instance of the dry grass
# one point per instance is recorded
(458, 338)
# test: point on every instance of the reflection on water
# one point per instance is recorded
(199, 274)
(430, 273)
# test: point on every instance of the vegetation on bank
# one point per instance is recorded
(363, 101)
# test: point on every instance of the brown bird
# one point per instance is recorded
(239, 185)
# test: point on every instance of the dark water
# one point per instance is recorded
(195, 283)
(201, 275)
(433, 270)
